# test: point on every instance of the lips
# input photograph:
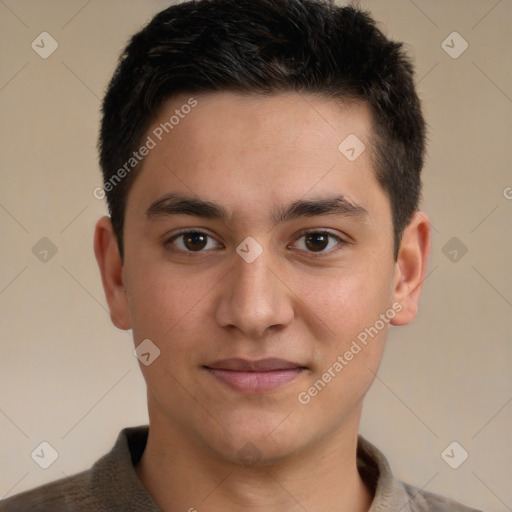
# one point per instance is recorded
(263, 365)
(259, 376)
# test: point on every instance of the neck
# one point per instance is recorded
(181, 475)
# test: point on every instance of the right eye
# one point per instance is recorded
(192, 241)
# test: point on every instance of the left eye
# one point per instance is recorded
(193, 241)
(318, 241)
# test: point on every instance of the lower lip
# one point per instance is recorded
(255, 382)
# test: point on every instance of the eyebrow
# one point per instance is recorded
(177, 204)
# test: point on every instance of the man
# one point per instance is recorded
(261, 162)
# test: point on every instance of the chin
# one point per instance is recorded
(269, 445)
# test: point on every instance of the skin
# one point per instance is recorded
(253, 155)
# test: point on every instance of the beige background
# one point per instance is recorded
(69, 377)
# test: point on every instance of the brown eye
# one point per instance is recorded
(317, 241)
(195, 241)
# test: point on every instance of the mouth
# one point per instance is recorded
(260, 376)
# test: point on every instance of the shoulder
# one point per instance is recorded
(111, 484)
(424, 501)
(66, 494)
(393, 494)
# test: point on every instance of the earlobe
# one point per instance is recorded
(411, 267)
(111, 268)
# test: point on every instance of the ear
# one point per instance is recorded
(411, 267)
(111, 269)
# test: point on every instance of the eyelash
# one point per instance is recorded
(312, 254)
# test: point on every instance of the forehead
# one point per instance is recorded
(299, 121)
(259, 150)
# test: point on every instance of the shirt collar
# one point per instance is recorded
(117, 468)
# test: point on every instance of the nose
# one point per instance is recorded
(253, 298)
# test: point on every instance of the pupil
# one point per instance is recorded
(317, 241)
(195, 241)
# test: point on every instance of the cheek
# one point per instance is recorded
(348, 357)
(164, 300)
(168, 307)
(346, 300)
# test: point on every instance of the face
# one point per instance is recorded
(259, 261)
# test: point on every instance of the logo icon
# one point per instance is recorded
(249, 454)
(44, 455)
(454, 45)
(44, 250)
(454, 455)
(44, 45)
(351, 147)
(454, 249)
(146, 352)
(249, 249)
